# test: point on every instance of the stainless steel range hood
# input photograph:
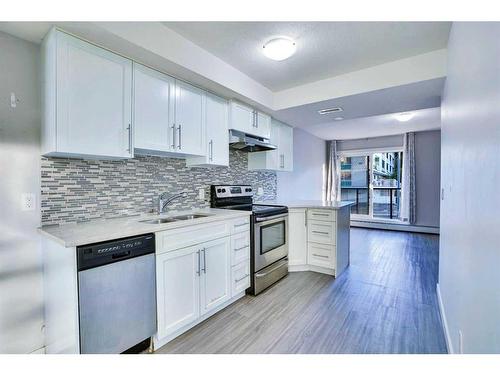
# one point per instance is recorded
(247, 143)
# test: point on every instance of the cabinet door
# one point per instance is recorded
(189, 119)
(94, 100)
(263, 125)
(242, 118)
(215, 274)
(178, 289)
(297, 233)
(273, 157)
(286, 148)
(153, 109)
(217, 131)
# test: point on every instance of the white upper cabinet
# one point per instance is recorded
(242, 118)
(216, 140)
(87, 99)
(280, 159)
(250, 121)
(263, 125)
(189, 119)
(153, 109)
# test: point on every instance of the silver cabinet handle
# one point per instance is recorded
(240, 225)
(319, 214)
(305, 218)
(173, 136)
(199, 263)
(241, 248)
(242, 278)
(319, 232)
(204, 260)
(321, 256)
(211, 150)
(129, 128)
(179, 146)
(256, 120)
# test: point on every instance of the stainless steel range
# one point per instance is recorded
(268, 230)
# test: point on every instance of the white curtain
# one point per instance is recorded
(332, 181)
(408, 190)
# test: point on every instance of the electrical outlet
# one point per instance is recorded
(260, 191)
(201, 194)
(28, 202)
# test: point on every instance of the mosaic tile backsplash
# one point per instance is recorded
(76, 190)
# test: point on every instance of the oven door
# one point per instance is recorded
(270, 239)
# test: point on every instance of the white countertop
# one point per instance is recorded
(70, 235)
(333, 205)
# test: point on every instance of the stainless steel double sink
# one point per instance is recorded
(171, 219)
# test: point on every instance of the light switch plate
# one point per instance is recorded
(28, 201)
(201, 194)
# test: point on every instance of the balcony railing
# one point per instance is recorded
(386, 201)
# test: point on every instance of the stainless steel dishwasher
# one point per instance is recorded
(116, 294)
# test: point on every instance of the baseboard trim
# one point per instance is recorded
(308, 267)
(396, 227)
(444, 322)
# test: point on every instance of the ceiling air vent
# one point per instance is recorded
(329, 110)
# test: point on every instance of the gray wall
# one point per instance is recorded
(469, 278)
(21, 306)
(306, 180)
(76, 190)
(428, 177)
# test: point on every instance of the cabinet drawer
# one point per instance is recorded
(240, 278)
(190, 235)
(321, 232)
(321, 255)
(240, 225)
(240, 247)
(322, 215)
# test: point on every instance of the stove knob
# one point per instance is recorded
(219, 190)
(223, 190)
(248, 190)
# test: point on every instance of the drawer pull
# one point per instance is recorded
(240, 225)
(241, 279)
(321, 256)
(320, 214)
(241, 248)
(318, 232)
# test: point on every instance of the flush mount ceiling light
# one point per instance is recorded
(279, 48)
(403, 117)
(327, 111)
(340, 118)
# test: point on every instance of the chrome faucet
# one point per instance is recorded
(165, 199)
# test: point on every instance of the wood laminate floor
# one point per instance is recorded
(384, 303)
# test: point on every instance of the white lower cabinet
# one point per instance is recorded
(194, 280)
(297, 237)
(178, 289)
(240, 278)
(315, 242)
(215, 274)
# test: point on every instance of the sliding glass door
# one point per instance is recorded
(373, 182)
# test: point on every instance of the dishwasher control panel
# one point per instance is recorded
(102, 253)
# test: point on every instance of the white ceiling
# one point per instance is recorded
(324, 49)
(376, 126)
(419, 95)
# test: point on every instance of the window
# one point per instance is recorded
(373, 182)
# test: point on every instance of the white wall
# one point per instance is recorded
(469, 278)
(21, 306)
(309, 159)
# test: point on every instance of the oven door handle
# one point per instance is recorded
(268, 218)
(258, 275)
